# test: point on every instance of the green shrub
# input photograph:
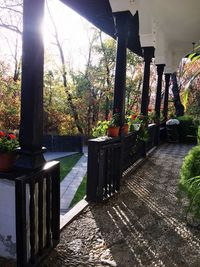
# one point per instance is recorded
(190, 180)
(100, 129)
(198, 136)
(187, 129)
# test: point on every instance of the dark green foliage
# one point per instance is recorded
(190, 180)
(173, 133)
(187, 129)
(198, 136)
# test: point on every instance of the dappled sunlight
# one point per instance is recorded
(178, 227)
(137, 257)
(143, 225)
(138, 238)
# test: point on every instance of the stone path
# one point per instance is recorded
(71, 182)
(143, 225)
(55, 155)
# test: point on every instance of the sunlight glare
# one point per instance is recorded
(72, 32)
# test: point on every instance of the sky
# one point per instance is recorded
(73, 32)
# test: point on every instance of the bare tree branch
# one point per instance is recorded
(64, 74)
(10, 27)
(11, 10)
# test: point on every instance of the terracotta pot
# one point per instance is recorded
(125, 128)
(113, 131)
(6, 161)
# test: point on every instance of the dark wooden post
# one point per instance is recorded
(122, 28)
(160, 69)
(31, 127)
(177, 100)
(148, 55)
(166, 96)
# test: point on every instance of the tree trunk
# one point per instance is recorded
(108, 79)
(64, 76)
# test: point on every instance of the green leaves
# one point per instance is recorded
(189, 184)
(8, 145)
(195, 55)
(100, 129)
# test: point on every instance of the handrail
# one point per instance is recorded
(37, 214)
(109, 157)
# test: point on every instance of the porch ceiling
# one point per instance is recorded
(169, 26)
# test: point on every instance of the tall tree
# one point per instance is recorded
(64, 74)
(11, 20)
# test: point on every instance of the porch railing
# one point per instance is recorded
(108, 158)
(133, 150)
(104, 168)
(37, 214)
(153, 136)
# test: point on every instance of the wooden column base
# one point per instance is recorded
(30, 160)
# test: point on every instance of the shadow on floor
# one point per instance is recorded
(144, 225)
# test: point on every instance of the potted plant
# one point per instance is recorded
(134, 123)
(8, 146)
(142, 122)
(125, 127)
(113, 127)
(172, 127)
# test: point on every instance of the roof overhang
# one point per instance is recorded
(100, 14)
(169, 26)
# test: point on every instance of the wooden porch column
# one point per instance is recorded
(160, 69)
(148, 55)
(31, 127)
(122, 28)
(166, 96)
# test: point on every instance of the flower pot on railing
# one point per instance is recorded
(7, 161)
(8, 146)
(125, 128)
(113, 127)
(113, 131)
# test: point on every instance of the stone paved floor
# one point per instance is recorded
(144, 225)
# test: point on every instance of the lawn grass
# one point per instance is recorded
(80, 193)
(67, 163)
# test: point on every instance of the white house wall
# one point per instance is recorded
(7, 219)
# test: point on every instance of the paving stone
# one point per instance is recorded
(144, 225)
(71, 182)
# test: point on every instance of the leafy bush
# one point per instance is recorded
(187, 129)
(190, 180)
(198, 136)
(100, 129)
